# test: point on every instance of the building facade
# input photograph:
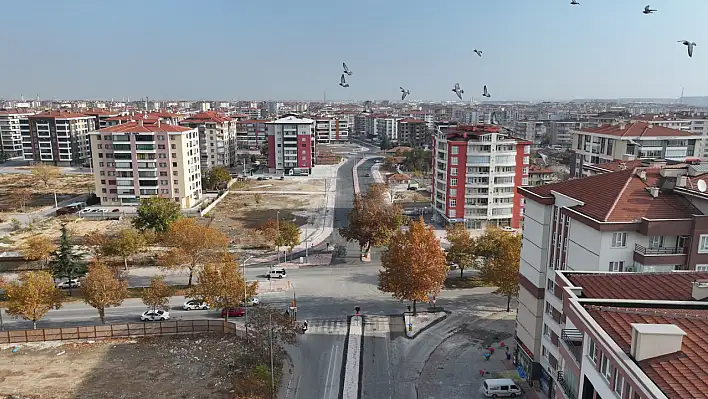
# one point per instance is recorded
(251, 134)
(60, 138)
(331, 130)
(217, 138)
(291, 145)
(14, 125)
(414, 133)
(137, 160)
(476, 170)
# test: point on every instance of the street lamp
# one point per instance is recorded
(277, 233)
(245, 296)
(294, 304)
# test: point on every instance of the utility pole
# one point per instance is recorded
(272, 368)
(245, 296)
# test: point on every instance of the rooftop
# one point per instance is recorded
(138, 127)
(637, 130)
(411, 120)
(208, 116)
(63, 114)
(671, 286)
(291, 119)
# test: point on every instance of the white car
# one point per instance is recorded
(195, 304)
(509, 229)
(155, 315)
(73, 283)
(254, 301)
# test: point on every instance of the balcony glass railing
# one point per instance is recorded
(573, 340)
(659, 251)
(569, 391)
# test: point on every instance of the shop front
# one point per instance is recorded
(524, 361)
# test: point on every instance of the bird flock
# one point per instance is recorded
(485, 93)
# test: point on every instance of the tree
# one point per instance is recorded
(418, 160)
(127, 243)
(19, 198)
(157, 295)
(501, 251)
(96, 242)
(372, 220)
(390, 163)
(38, 248)
(288, 236)
(221, 284)
(102, 289)
(46, 173)
(414, 265)
(264, 320)
(66, 263)
(462, 247)
(269, 231)
(32, 296)
(192, 245)
(156, 213)
(218, 176)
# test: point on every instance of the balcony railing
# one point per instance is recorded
(659, 251)
(565, 386)
(573, 340)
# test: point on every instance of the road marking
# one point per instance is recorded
(330, 374)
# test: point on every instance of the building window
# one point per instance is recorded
(703, 244)
(526, 160)
(702, 268)
(454, 150)
(525, 171)
(525, 181)
(551, 286)
(453, 202)
(606, 368)
(592, 351)
(619, 383)
(544, 352)
(453, 161)
(619, 240)
(453, 182)
(453, 171)
(453, 192)
(617, 266)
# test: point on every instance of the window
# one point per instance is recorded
(525, 181)
(551, 286)
(544, 352)
(525, 170)
(453, 161)
(546, 331)
(703, 243)
(619, 383)
(454, 150)
(702, 268)
(453, 202)
(617, 266)
(453, 192)
(592, 351)
(173, 146)
(453, 182)
(453, 171)
(606, 368)
(619, 240)
(656, 241)
(526, 160)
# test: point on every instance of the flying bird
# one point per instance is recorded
(478, 52)
(574, 2)
(648, 10)
(343, 82)
(458, 90)
(690, 46)
(486, 93)
(346, 69)
(404, 93)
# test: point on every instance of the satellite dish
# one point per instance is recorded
(702, 185)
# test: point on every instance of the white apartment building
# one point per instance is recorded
(561, 132)
(386, 126)
(329, 130)
(532, 131)
(291, 145)
(137, 160)
(217, 138)
(14, 124)
(697, 125)
(646, 219)
(59, 137)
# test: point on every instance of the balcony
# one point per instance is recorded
(659, 256)
(573, 340)
(565, 386)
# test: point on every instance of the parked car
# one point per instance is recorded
(254, 302)
(509, 229)
(65, 285)
(233, 312)
(368, 175)
(155, 315)
(195, 304)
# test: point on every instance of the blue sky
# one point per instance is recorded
(289, 50)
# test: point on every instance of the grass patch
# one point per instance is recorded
(464, 282)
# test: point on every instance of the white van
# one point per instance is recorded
(500, 388)
(276, 272)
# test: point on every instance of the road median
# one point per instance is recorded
(352, 368)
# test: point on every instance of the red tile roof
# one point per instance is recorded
(679, 375)
(619, 165)
(99, 111)
(636, 129)
(539, 170)
(208, 116)
(15, 111)
(137, 127)
(63, 114)
(671, 286)
(246, 121)
(623, 197)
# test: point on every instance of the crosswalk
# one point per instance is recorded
(373, 325)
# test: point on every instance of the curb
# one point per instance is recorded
(361, 357)
(343, 372)
(436, 321)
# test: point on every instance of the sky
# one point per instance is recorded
(533, 50)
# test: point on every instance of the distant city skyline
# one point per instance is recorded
(293, 51)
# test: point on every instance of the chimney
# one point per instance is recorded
(681, 181)
(158, 123)
(622, 125)
(641, 173)
(652, 340)
(654, 191)
(700, 290)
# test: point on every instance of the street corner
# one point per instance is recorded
(415, 324)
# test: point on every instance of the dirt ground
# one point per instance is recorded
(67, 186)
(289, 184)
(50, 227)
(165, 367)
(412, 196)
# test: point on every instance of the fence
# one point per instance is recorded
(122, 330)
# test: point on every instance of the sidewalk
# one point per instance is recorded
(530, 393)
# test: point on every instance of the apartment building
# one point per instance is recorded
(428, 117)
(136, 160)
(251, 113)
(532, 131)
(329, 130)
(291, 145)
(561, 132)
(14, 124)
(101, 116)
(217, 138)
(414, 133)
(645, 219)
(539, 176)
(629, 141)
(386, 128)
(59, 137)
(647, 342)
(251, 134)
(696, 124)
(476, 170)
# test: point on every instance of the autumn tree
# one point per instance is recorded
(269, 231)
(19, 198)
(96, 241)
(38, 248)
(47, 174)
(127, 243)
(462, 247)
(218, 176)
(65, 262)
(372, 220)
(288, 235)
(263, 322)
(32, 296)
(157, 294)
(156, 213)
(102, 289)
(221, 284)
(414, 265)
(192, 245)
(501, 251)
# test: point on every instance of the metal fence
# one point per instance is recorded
(120, 330)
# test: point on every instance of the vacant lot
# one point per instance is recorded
(289, 184)
(67, 186)
(197, 366)
(50, 227)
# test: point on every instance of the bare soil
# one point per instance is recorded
(67, 186)
(51, 228)
(197, 366)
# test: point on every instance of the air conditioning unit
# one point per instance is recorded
(629, 269)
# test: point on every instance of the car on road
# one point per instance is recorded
(509, 229)
(278, 272)
(195, 304)
(155, 315)
(233, 312)
(65, 285)
(368, 175)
